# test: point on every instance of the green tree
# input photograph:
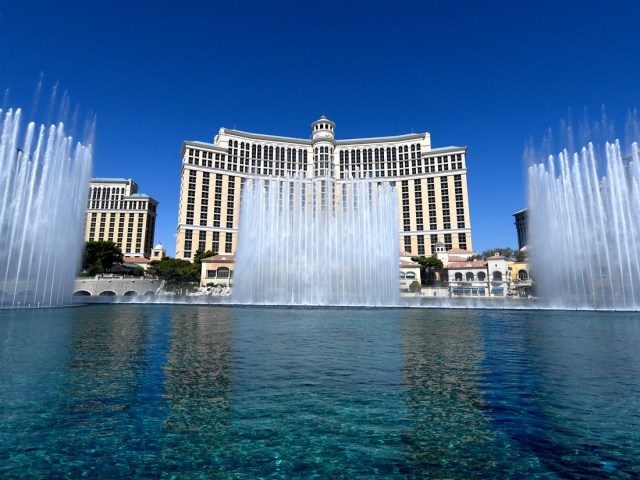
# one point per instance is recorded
(415, 286)
(122, 269)
(201, 254)
(504, 251)
(100, 256)
(428, 268)
(521, 256)
(175, 270)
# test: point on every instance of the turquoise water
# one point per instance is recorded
(157, 391)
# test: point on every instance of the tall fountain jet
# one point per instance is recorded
(313, 241)
(585, 230)
(44, 179)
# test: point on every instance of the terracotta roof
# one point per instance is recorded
(135, 260)
(220, 258)
(459, 265)
(496, 257)
(459, 250)
(457, 259)
(406, 264)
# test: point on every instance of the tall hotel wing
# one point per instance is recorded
(431, 183)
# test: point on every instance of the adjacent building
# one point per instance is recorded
(521, 227)
(489, 277)
(217, 270)
(431, 183)
(116, 212)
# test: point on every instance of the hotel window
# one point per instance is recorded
(215, 244)
(407, 244)
(447, 241)
(228, 244)
(420, 244)
(462, 241)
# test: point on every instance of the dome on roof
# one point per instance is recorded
(440, 244)
(323, 129)
(159, 246)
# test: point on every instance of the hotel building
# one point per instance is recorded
(431, 183)
(116, 212)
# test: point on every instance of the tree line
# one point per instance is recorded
(104, 256)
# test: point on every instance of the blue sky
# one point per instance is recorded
(489, 75)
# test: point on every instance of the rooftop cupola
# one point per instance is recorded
(323, 129)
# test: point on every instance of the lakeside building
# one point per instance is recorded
(490, 277)
(218, 270)
(116, 212)
(431, 183)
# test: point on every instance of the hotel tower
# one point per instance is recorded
(431, 183)
(116, 212)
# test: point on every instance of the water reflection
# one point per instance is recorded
(32, 366)
(442, 352)
(114, 396)
(107, 357)
(199, 383)
(318, 394)
(580, 406)
(141, 391)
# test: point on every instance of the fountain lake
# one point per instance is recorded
(177, 391)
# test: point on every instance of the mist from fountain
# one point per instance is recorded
(301, 244)
(43, 186)
(585, 230)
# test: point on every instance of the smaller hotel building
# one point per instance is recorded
(431, 183)
(116, 212)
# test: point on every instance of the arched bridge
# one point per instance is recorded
(111, 286)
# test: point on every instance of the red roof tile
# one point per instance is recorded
(225, 257)
(459, 265)
(135, 260)
(459, 250)
(406, 264)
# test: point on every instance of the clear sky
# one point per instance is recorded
(489, 75)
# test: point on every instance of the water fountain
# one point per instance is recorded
(585, 229)
(317, 242)
(43, 184)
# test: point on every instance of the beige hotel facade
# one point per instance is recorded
(431, 183)
(116, 212)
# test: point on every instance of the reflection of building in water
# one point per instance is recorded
(198, 378)
(105, 369)
(441, 374)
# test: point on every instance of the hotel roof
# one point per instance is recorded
(111, 180)
(309, 142)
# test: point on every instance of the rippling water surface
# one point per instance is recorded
(152, 391)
